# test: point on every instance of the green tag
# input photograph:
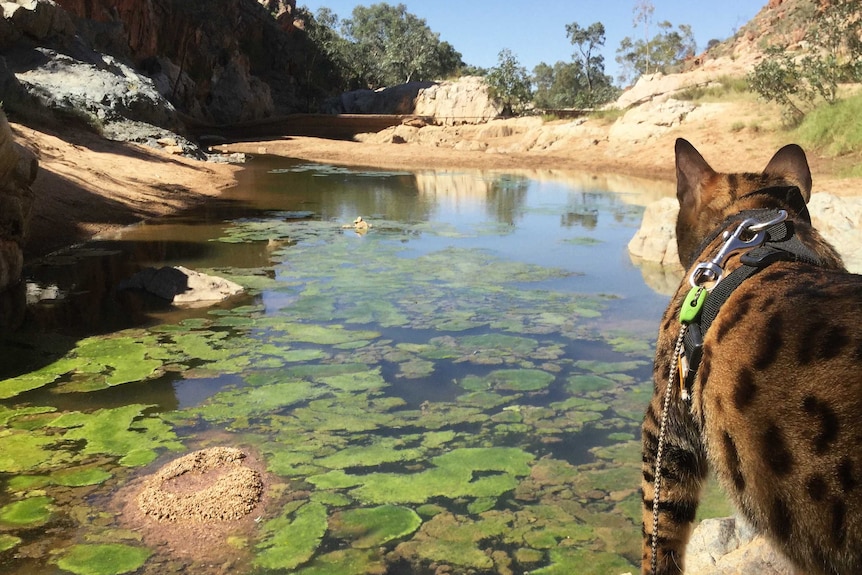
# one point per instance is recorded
(690, 310)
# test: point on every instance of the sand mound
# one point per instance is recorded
(208, 485)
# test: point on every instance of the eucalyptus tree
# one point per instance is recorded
(509, 83)
(392, 46)
(664, 52)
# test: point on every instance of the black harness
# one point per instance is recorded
(782, 243)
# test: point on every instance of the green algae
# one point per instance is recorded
(520, 379)
(124, 431)
(292, 539)
(103, 559)
(455, 540)
(568, 560)
(345, 562)
(245, 402)
(28, 512)
(580, 383)
(462, 472)
(80, 477)
(368, 528)
(8, 542)
(609, 367)
(24, 451)
(359, 381)
(384, 451)
(325, 335)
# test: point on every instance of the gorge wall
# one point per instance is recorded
(218, 62)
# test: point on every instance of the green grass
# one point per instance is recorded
(722, 89)
(834, 128)
(608, 116)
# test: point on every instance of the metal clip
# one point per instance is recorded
(741, 240)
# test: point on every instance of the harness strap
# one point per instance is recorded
(782, 244)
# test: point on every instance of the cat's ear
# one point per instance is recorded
(691, 170)
(790, 164)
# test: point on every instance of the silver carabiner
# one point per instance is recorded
(738, 241)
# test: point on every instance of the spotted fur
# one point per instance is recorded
(776, 407)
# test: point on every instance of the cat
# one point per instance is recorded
(766, 388)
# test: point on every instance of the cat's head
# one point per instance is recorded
(707, 198)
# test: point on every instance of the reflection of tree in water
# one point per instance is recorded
(583, 210)
(506, 196)
(396, 196)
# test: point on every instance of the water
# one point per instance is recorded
(460, 384)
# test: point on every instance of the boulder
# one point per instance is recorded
(728, 546)
(399, 99)
(464, 101)
(655, 240)
(839, 219)
(181, 285)
(38, 19)
(103, 88)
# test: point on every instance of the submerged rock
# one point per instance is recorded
(181, 285)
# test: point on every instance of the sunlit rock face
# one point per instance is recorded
(18, 168)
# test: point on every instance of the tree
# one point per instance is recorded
(556, 86)
(393, 46)
(662, 53)
(587, 40)
(643, 12)
(592, 85)
(325, 56)
(833, 55)
(509, 83)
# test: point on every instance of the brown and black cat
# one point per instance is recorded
(766, 387)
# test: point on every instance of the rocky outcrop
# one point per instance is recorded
(464, 101)
(182, 286)
(222, 62)
(18, 168)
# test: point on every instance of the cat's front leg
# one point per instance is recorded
(683, 470)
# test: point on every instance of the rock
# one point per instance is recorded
(39, 19)
(464, 101)
(399, 99)
(18, 168)
(655, 240)
(839, 219)
(103, 89)
(204, 59)
(210, 485)
(650, 120)
(181, 285)
(728, 546)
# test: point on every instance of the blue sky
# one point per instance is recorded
(535, 30)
